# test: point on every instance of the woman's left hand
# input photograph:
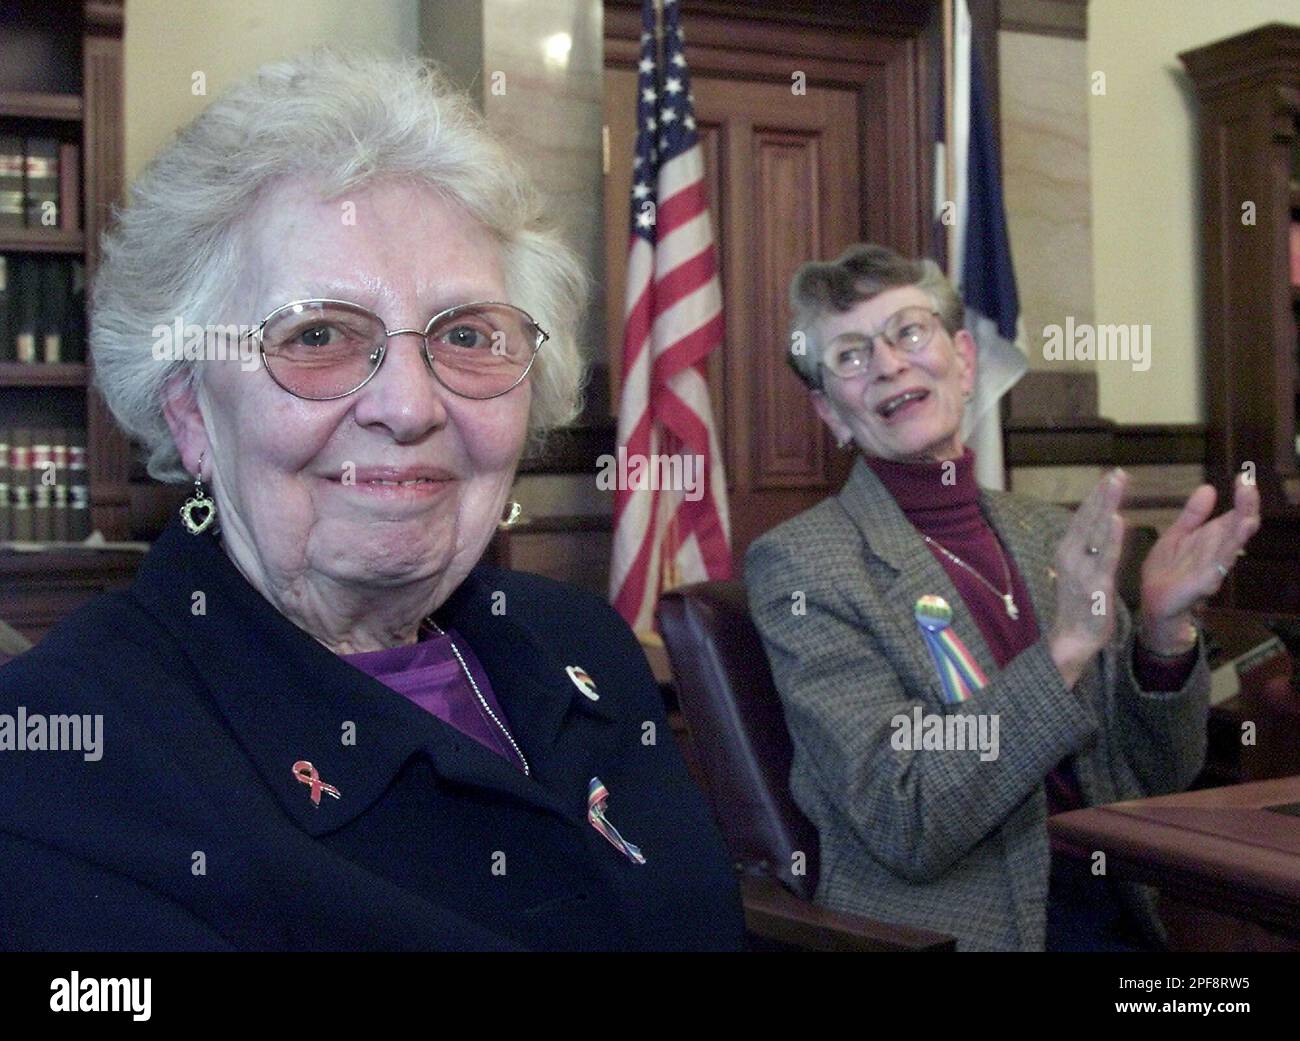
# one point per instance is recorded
(1190, 561)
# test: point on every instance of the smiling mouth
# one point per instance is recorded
(887, 408)
(393, 482)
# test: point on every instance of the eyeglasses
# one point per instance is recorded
(907, 330)
(326, 349)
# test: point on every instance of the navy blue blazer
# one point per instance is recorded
(192, 831)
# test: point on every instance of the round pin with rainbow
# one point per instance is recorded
(933, 613)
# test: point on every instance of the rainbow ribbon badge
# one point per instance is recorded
(959, 672)
(597, 797)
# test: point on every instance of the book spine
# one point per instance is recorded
(42, 182)
(6, 317)
(74, 327)
(42, 477)
(53, 308)
(78, 491)
(69, 187)
(20, 468)
(59, 513)
(11, 181)
(6, 524)
(26, 290)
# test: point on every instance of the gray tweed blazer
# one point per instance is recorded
(934, 838)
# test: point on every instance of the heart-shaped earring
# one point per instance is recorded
(200, 502)
(510, 515)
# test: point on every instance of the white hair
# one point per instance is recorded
(343, 121)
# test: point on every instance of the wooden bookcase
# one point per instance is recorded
(61, 76)
(1248, 88)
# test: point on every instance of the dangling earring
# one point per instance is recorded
(200, 501)
(510, 517)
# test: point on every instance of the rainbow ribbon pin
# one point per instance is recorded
(597, 797)
(959, 672)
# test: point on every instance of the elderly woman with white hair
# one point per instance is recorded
(955, 663)
(323, 726)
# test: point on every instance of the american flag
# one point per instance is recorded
(673, 320)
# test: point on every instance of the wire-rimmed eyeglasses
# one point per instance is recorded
(908, 330)
(325, 349)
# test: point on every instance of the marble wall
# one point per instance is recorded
(537, 67)
(168, 43)
(1046, 87)
(1046, 184)
(1147, 261)
(547, 58)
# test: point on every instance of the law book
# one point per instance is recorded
(6, 525)
(74, 325)
(78, 489)
(11, 181)
(26, 307)
(59, 507)
(42, 182)
(69, 187)
(20, 469)
(53, 308)
(42, 482)
(6, 324)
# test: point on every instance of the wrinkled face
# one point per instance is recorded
(901, 407)
(401, 481)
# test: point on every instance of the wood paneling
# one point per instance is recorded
(1248, 95)
(792, 452)
(108, 459)
(571, 549)
(1046, 17)
(39, 589)
(1103, 442)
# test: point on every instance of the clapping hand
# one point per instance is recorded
(1086, 559)
(1189, 563)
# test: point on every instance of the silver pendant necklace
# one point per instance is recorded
(1008, 601)
(438, 631)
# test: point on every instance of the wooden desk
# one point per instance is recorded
(1217, 848)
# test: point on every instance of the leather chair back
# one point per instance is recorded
(737, 729)
(12, 643)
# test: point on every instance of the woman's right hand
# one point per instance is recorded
(1086, 560)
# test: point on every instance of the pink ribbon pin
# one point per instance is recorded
(306, 774)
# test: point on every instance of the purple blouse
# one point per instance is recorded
(428, 674)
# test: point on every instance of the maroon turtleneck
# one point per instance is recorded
(948, 510)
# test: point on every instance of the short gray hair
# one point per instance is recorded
(861, 272)
(344, 121)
